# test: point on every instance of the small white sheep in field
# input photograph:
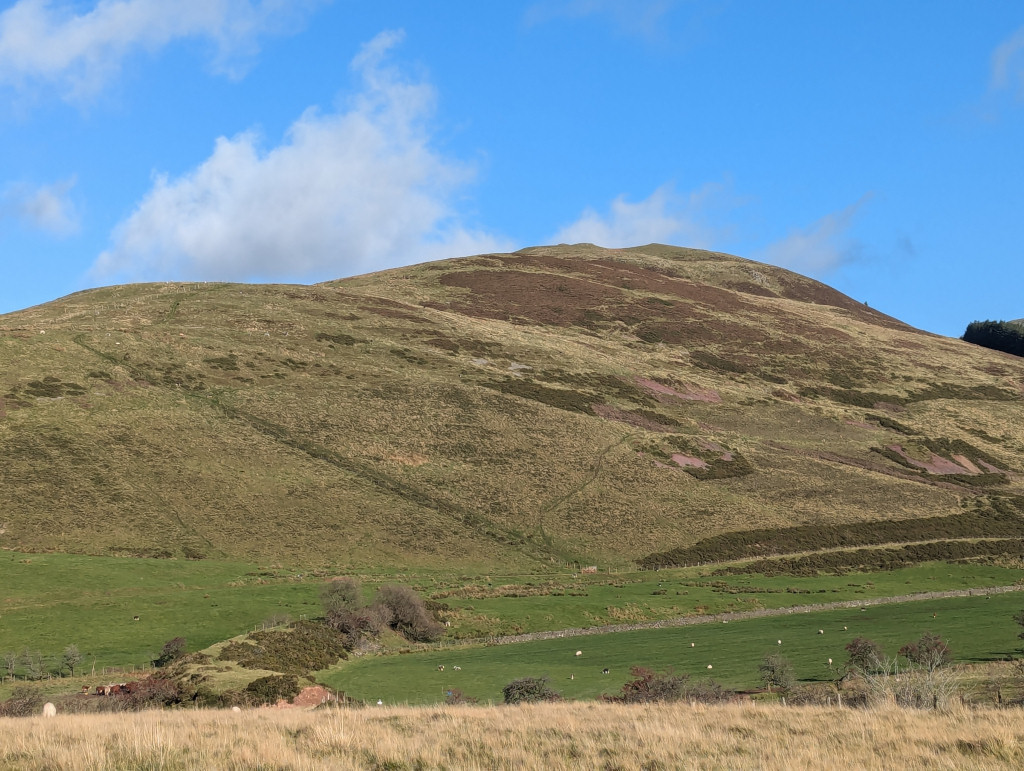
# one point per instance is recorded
(579, 653)
(709, 666)
(457, 668)
(780, 642)
(693, 644)
(236, 709)
(830, 662)
(821, 631)
(49, 710)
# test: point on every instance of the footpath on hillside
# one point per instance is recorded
(736, 615)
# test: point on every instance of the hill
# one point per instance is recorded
(565, 403)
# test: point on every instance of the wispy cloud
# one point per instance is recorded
(78, 51)
(1008, 65)
(819, 248)
(665, 216)
(48, 207)
(635, 17)
(355, 190)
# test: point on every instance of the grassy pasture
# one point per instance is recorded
(624, 598)
(977, 628)
(53, 600)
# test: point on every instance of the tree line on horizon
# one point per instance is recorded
(1005, 336)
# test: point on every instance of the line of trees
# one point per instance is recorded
(1006, 336)
(35, 665)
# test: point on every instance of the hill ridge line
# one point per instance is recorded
(739, 615)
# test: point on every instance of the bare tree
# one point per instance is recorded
(70, 658)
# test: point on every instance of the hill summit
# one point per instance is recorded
(566, 403)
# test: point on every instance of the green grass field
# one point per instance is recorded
(977, 629)
(54, 600)
(208, 600)
(624, 598)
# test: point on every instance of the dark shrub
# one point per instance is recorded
(527, 690)
(172, 651)
(24, 702)
(865, 655)
(649, 685)
(456, 696)
(930, 652)
(341, 594)
(306, 647)
(273, 688)
(152, 693)
(776, 671)
(409, 615)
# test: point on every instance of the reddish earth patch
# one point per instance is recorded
(608, 412)
(859, 424)
(966, 463)
(307, 698)
(667, 394)
(685, 461)
(935, 465)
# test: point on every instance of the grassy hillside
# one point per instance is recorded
(558, 404)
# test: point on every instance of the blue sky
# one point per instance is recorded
(876, 146)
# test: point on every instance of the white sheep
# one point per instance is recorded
(49, 710)
(821, 631)
(709, 666)
(579, 653)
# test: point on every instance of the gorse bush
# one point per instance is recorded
(305, 647)
(172, 651)
(648, 685)
(529, 690)
(273, 688)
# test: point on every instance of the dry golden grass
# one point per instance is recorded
(551, 736)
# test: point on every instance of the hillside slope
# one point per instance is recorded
(566, 403)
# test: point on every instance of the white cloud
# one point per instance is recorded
(820, 248)
(42, 41)
(344, 192)
(637, 17)
(1008, 64)
(663, 217)
(47, 208)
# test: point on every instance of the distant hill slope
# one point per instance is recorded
(565, 403)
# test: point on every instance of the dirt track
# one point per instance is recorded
(745, 614)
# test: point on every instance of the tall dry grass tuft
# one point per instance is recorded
(549, 736)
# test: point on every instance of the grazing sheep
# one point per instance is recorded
(821, 631)
(780, 642)
(830, 662)
(236, 709)
(710, 667)
(693, 645)
(440, 667)
(844, 628)
(457, 668)
(605, 671)
(49, 710)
